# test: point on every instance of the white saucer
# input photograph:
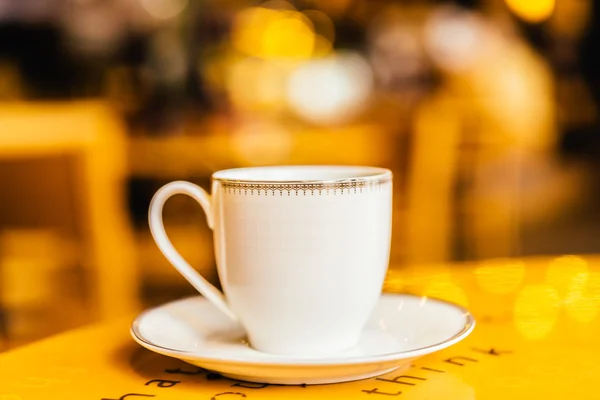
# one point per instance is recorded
(401, 328)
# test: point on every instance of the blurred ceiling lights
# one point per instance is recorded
(276, 30)
(330, 90)
(455, 38)
(533, 11)
(268, 33)
(285, 60)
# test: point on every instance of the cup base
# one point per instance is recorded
(307, 348)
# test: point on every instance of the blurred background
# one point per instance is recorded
(486, 111)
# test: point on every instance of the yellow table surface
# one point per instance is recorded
(537, 337)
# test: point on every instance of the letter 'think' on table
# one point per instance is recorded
(398, 379)
(452, 360)
(376, 391)
(125, 396)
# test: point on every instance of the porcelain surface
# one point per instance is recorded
(400, 329)
(301, 251)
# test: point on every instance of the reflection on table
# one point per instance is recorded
(538, 323)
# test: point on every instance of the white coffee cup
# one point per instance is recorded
(301, 251)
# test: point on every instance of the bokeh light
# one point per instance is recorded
(288, 34)
(330, 90)
(582, 302)
(532, 10)
(536, 311)
(566, 273)
(274, 33)
(454, 39)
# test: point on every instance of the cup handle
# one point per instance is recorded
(159, 234)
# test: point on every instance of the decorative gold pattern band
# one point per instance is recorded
(358, 186)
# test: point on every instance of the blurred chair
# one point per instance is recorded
(431, 181)
(38, 296)
(91, 143)
(477, 141)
